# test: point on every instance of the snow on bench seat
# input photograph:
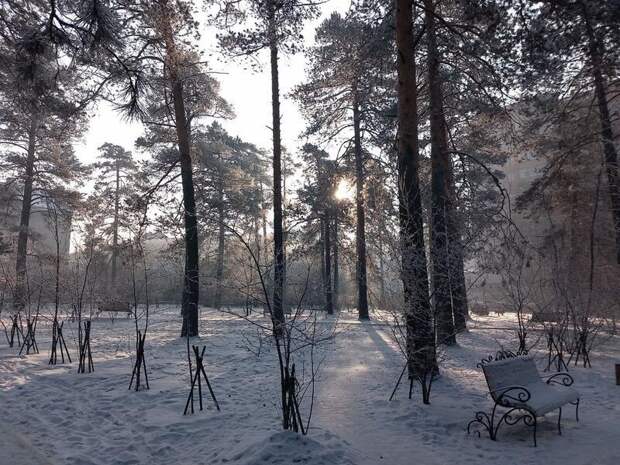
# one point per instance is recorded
(521, 371)
(514, 383)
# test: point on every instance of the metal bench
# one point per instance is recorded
(113, 307)
(514, 383)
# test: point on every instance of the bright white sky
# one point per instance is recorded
(249, 93)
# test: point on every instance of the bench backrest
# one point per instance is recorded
(517, 371)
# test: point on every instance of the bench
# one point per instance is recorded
(515, 384)
(115, 307)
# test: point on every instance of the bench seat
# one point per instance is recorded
(514, 383)
(545, 398)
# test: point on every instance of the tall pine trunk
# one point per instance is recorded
(190, 285)
(114, 271)
(336, 288)
(279, 266)
(219, 266)
(360, 229)
(418, 312)
(189, 304)
(20, 297)
(441, 198)
(596, 51)
(329, 307)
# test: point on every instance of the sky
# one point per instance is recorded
(248, 91)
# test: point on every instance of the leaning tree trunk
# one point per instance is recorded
(441, 198)
(596, 52)
(279, 267)
(24, 221)
(418, 312)
(360, 230)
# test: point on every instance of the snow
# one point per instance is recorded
(52, 415)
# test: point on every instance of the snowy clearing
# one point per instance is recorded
(52, 415)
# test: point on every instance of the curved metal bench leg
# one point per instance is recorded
(559, 420)
(577, 409)
(576, 404)
(535, 422)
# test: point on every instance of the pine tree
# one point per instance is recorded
(115, 180)
(276, 26)
(344, 71)
(418, 312)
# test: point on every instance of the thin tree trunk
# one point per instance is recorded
(329, 307)
(360, 230)
(381, 273)
(596, 50)
(321, 247)
(57, 277)
(190, 285)
(24, 222)
(278, 232)
(418, 312)
(219, 266)
(336, 296)
(115, 231)
(441, 200)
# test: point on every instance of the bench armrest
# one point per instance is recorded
(511, 394)
(562, 378)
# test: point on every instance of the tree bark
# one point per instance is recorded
(20, 297)
(115, 231)
(219, 266)
(329, 307)
(418, 312)
(441, 199)
(336, 289)
(279, 266)
(596, 51)
(360, 230)
(190, 285)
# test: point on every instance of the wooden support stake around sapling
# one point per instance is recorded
(86, 358)
(199, 373)
(29, 342)
(292, 406)
(58, 340)
(140, 363)
(16, 330)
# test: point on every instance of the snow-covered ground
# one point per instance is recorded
(52, 415)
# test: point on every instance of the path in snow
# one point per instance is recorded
(55, 416)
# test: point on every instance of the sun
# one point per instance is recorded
(344, 190)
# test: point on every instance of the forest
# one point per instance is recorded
(320, 231)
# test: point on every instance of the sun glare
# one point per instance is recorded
(344, 191)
